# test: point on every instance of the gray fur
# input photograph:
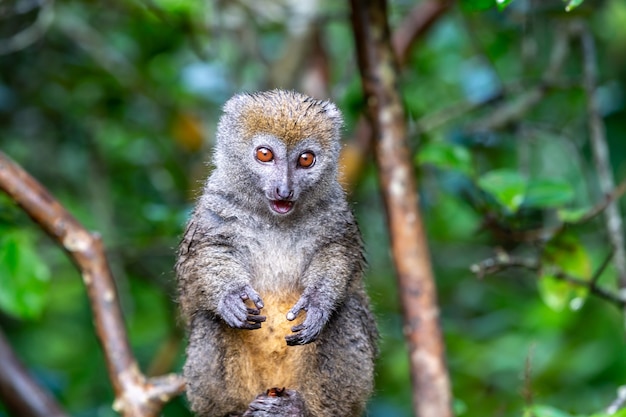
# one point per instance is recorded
(236, 248)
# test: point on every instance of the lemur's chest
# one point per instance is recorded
(277, 263)
(278, 260)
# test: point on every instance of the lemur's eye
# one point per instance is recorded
(264, 154)
(306, 160)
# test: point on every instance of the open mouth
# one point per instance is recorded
(281, 206)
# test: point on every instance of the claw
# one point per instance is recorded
(256, 319)
(311, 327)
(236, 314)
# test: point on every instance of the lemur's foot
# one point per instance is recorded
(277, 402)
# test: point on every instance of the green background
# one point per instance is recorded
(114, 109)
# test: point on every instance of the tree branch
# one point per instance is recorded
(431, 387)
(413, 28)
(513, 110)
(503, 262)
(32, 33)
(20, 394)
(619, 402)
(610, 198)
(421, 18)
(597, 136)
(136, 396)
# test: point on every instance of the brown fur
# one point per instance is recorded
(263, 359)
(308, 262)
(291, 121)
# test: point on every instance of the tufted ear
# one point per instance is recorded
(236, 102)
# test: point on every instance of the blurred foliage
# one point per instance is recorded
(113, 106)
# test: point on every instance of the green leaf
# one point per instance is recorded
(476, 5)
(446, 156)
(546, 411)
(544, 193)
(506, 186)
(620, 413)
(554, 292)
(571, 215)
(572, 4)
(565, 253)
(178, 5)
(459, 407)
(502, 4)
(24, 277)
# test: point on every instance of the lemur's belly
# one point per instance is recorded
(265, 360)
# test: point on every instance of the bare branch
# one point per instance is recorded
(20, 394)
(96, 46)
(431, 387)
(136, 396)
(514, 110)
(619, 402)
(32, 33)
(610, 198)
(414, 27)
(527, 391)
(315, 78)
(421, 18)
(503, 262)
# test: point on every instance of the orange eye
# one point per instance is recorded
(264, 155)
(306, 160)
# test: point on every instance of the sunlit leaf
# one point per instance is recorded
(177, 5)
(446, 156)
(24, 276)
(544, 193)
(503, 3)
(564, 253)
(547, 411)
(572, 4)
(567, 253)
(476, 5)
(506, 186)
(554, 292)
(460, 407)
(620, 413)
(571, 215)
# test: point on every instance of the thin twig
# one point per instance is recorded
(136, 396)
(417, 23)
(605, 263)
(514, 110)
(527, 392)
(98, 48)
(601, 206)
(619, 402)
(437, 118)
(32, 33)
(379, 76)
(504, 262)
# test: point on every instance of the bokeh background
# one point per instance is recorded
(112, 105)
